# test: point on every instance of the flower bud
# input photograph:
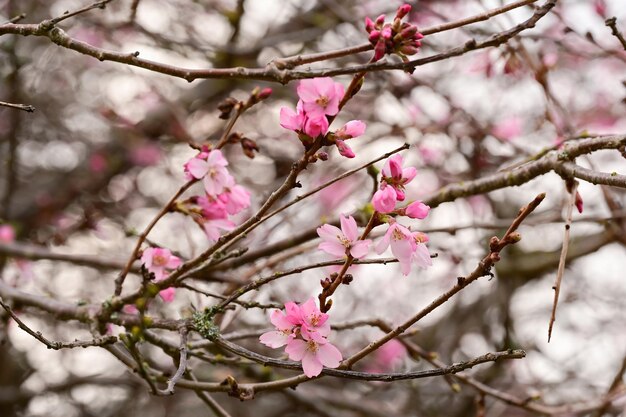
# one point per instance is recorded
(369, 25)
(408, 32)
(403, 11)
(380, 20)
(265, 93)
(249, 147)
(374, 36)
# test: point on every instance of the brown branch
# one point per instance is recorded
(50, 344)
(563, 257)
(271, 72)
(552, 161)
(32, 252)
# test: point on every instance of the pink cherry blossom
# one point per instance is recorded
(235, 198)
(315, 352)
(304, 329)
(157, 260)
(320, 96)
(302, 122)
(211, 168)
(406, 246)
(339, 242)
(292, 120)
(285, 326)
(394, 178)
(384, 200)
(7, 233)
(313, 320)
(417, 210)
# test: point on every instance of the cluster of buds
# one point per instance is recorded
(397, 38)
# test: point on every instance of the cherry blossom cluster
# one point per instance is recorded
(319, 99)
(224, 197)
(304, 329)
(407, 246)
(397, 37)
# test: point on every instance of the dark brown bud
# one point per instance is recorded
(249, 147)
(347, 279)
(226, 106)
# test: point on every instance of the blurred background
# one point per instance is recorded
(104, 151)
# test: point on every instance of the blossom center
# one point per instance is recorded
(311, 346)
(159, 260)
(397, 235)
(344, 240)
(322, 101)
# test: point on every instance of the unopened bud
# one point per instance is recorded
(234, 137)
(265, 93)
(408, 32)
(403, 11)
(579, 202)
(374, 36)
(347, 279)
(325, 283)
(226, 106)
(380, 20)
(249, 147)
(322, 155)
(493, 243)
(514, 237)
(369, 25)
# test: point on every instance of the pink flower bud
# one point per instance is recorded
(380, 20)
(374, 36)
(369, 25)
(265, 93)
(417, 210)
(579, 202)
(403, 11)
(409, 32)
(379, 50)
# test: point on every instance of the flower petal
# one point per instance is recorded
(349, 228)
(329, 355)
(311, 365)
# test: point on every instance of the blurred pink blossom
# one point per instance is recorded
(508, 129)
(158, 260)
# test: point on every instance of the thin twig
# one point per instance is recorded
(182, 361)
(50, 344)
(26, 107)
(612, 23)
(563, 257)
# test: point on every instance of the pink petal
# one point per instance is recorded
(383, 244)
(329, 233)
(197, 167)
(307, 90)
(311, 365)
(146, 257)
(279, 320)
(274, 339)
(293, 313)
(329, 355)
(296, 349)
(359, 249)
(408, 174)
(349, 228)
(421, 256)
(354, 128)
(290, 120)
(333, 248)
(315, 125)
(384, 201)
(173, 263)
